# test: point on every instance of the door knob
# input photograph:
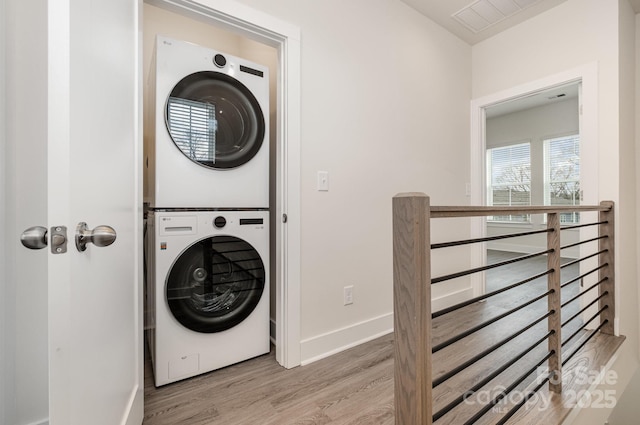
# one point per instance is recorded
(34, 237)
(100, 236)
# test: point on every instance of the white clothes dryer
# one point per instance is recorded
(209, 146)
(208, 283)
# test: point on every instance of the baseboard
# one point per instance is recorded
(135, 411)
(330, 343)
(41, 422)
(272, 331)
(325, 345)
(453, 298)
(133, 418)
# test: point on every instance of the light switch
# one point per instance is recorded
(323, 181)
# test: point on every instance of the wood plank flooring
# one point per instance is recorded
(260, 391)
(356, 386)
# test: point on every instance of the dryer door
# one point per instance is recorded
(215, 120)
(215, 284)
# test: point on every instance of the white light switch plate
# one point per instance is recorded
(323, 181)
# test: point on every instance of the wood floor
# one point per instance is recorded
(356, 386)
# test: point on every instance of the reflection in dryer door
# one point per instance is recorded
(215, 284)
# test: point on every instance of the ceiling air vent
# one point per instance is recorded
(482, 14)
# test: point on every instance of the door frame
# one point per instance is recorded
(586, 74)
(5, 358)
(259, 26)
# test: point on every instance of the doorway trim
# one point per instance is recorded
(259, 26)
(586, 74)
(6, 379)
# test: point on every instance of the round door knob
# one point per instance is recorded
(34, 237)
(103, 236)
(100, 236)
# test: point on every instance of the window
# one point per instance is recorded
(541, 173)
(509, 169)
(562, 174)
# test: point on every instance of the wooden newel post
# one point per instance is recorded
(554, 302)
(609, 272)
(412, 309)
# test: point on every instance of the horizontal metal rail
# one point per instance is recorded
(488, 267)
(487, 239)
(578, 226)
(595, 285)
(585, 325)
(489, 377)
(601, 266)
(571, 263)
(487, 295)
(525, 398)
(583, 343)
(585, 308)
(488, 351)
(547, 378)
(584, 242)
(504, 393)
(482, 325)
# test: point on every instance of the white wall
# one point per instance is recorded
(26, 92)
(627, 410)
(385, 95)
(573, 34)
(534, 126)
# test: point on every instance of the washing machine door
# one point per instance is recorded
(215, 284)
(215, 120)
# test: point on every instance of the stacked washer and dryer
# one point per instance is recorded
(207, 244)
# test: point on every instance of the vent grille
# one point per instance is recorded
(482, 14)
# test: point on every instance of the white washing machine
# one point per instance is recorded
(210, 144)
(208, 286)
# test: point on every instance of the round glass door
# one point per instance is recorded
(215, 120)
(215, 284)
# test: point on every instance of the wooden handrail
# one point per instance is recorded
(412, 214)
(480, 211)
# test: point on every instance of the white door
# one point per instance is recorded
(93, 160)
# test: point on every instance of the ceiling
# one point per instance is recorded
(477, 20)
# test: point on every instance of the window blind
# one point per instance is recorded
(510, 179)
(562, 174)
